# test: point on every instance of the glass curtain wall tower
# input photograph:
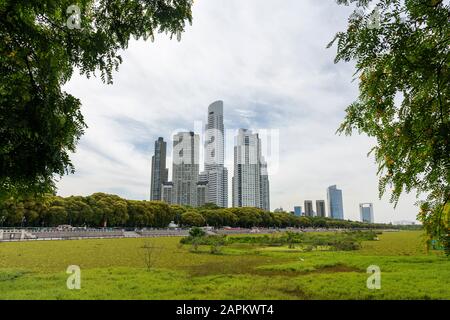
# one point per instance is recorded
(216, 174)
(159, 170)
(185, 171)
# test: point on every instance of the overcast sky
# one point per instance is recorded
(267, 60)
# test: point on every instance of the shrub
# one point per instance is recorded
(335, 241)
(346, 245)
(216, 248)
(196, 232)
(205, 240)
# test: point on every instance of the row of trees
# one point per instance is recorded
(105, 210)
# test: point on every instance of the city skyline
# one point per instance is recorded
(284, 78)
(249, 169)
(192, 187)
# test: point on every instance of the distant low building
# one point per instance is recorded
(366, 212)
(320, 208)
(404, 223)
(309, 212)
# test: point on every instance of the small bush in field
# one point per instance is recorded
(346, 245)
(216, 248)
(344, 241)
(205, 240)
(196, 232)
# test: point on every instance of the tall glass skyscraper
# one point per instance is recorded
(215, 172)
(335, 203)
(250, 179)
(265, 190)
(159, 170)
(185, 171)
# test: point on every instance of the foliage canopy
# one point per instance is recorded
(40, 124)
(402, 63)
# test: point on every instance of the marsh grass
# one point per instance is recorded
(114, 269)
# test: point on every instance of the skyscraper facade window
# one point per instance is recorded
(335, 203)
(159, 171)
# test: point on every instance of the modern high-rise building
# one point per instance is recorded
(185, 172)
(309, 212)
(366, 212)
(215, 172)
(159, 170)
(167, 192)
(320, 208)
(335, 203)
(214, 137)
(249, 171)
(265, 190)
(202, 188)
(298, 211)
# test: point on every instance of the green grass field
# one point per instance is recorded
(116, 269)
